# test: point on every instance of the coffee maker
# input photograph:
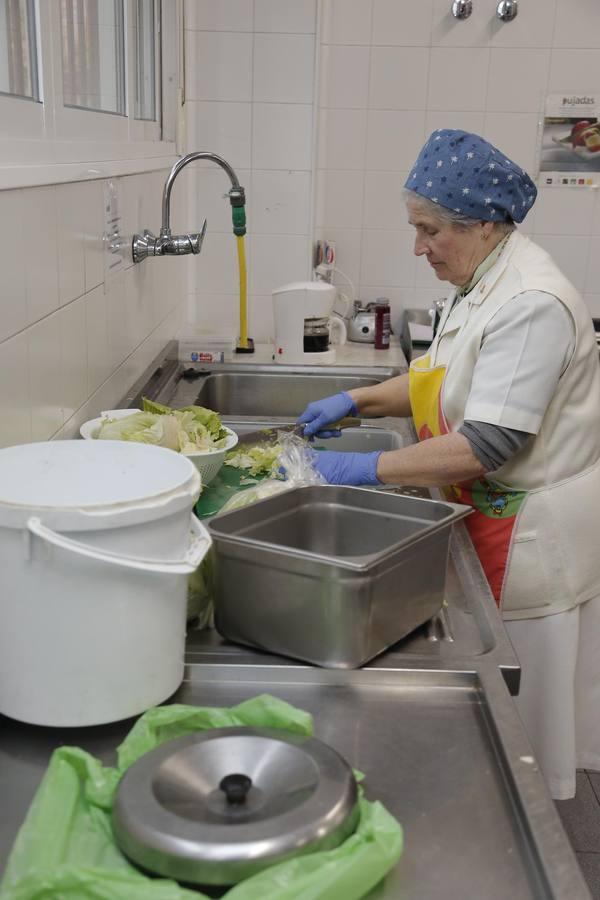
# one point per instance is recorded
(304, 323)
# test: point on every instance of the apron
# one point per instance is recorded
(491, 525)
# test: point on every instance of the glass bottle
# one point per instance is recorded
(382, 323)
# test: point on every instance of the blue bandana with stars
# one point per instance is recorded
(467, 174)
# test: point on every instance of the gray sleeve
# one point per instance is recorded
(493, 445)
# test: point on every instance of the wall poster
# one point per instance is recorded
(570, 141)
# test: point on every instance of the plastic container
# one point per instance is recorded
(382, 323)
(97, 540)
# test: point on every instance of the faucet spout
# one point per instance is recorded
(167, 244)
(165, 230)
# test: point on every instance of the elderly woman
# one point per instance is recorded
(506, 406)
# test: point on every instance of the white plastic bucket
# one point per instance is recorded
(97, 540)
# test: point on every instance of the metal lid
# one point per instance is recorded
(219, 806)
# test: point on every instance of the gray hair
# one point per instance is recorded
(450, 217)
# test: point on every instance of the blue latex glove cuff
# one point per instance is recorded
(348, 468)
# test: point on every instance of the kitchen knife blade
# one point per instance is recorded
(269, 435)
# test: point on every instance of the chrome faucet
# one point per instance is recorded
(167, 244)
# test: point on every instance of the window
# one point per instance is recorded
(18, 49)
(93, 54)
(105, 77)
(145, 41)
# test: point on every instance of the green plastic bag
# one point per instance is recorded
(65, 849)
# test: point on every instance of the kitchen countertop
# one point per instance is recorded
(349, 354)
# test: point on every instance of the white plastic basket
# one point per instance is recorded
(208, 462)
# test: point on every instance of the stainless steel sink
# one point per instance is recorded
(258, 393)
(273, 393)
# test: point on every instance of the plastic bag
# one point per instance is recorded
(296, 458)
(65, 848)
(200, 593)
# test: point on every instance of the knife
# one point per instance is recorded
(270, 435)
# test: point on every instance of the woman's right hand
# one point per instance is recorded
(321, 413)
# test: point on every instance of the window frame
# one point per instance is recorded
(41, 143)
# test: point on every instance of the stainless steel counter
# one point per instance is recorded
(431, 723)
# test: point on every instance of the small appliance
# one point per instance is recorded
(304, 323)
(361, 327)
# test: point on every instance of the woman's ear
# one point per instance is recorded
(486, 230)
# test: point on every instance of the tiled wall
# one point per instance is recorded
(71, 344)
(386, 73)
(393, 72)
(250, 70)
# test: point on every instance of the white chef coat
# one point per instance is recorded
(526, 348)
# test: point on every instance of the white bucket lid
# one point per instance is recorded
(86, 485)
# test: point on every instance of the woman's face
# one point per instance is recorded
(453, 253)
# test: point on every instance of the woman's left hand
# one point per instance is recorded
(347, 468)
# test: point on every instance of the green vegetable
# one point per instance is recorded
(266, 488)
(262, 459)
(187, 430)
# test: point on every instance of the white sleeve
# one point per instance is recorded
(525, 349)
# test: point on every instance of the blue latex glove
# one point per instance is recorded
(347, 468)
(321, 413)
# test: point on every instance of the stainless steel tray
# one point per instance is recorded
(328, 574)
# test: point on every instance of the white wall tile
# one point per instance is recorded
(517, 80)
(71, 223)
(577, 27)
(281, 136)
(346, 21)
(516, 135)
(280, 203)
(457, 80)
(593, 304)
(226, 128)
(476, 31)
(394, 139)
(261, 324)
(344, 79)
(14, 392)
(596, 219)
(570, 253)
(342, 138)
(461, 120)
(284, 68)
(73, 353)
(277, 260)
(384, 206)
(572, 71)
(45, 378)
(565, 210)
(285, 16)
(118, 339)
(216, 313)
(39, 211)
(394, 83)
(226, 15)
(93, 223)
(13, 250)
(218, 65)
(533, 26)
(217, 268)
(96, 323)
(339, 199)
(387, 258)
(592, 278)
(395, 24)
